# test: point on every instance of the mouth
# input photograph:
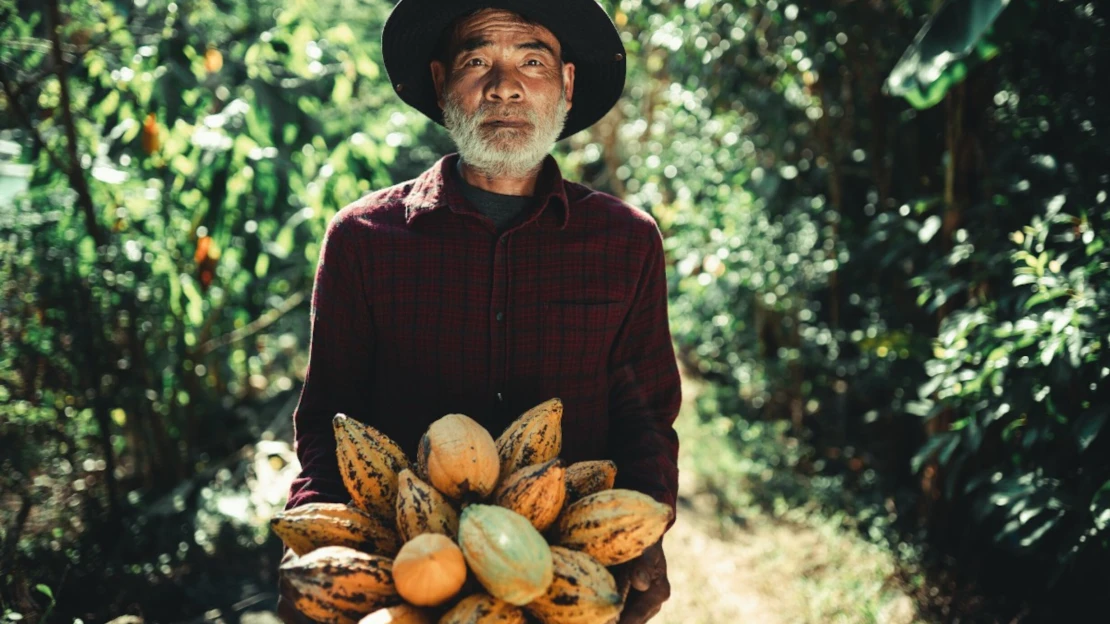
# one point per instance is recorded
(506, 123)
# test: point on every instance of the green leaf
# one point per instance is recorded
(1088, 426)
(194, 309)
(926, 451)
(934, 62)
(341, 93)
(262, 265)
(1039, 532)
(1050, 350)
(45, 590)
(1100, 507)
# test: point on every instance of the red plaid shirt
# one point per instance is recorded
(421, 309)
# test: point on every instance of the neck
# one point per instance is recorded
(522, 186)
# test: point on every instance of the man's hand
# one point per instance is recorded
(643, 582)
(287, 596)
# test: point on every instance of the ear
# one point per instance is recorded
(439, 77)
(568, 83)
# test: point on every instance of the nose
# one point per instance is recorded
(503, 87)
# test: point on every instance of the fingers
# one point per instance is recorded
(642, 606)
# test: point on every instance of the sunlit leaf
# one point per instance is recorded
(1088, 426)
(1100, 507)
(936, 59)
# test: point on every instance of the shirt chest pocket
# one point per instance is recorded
(576, 338)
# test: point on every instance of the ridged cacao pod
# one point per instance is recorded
(582, 591)
(340, 585)
(536, 492)
(459, 457)
(613, 526)
(483, 609)
(429, 570)
(369, 463)
(589, 477)
(422, 509)
(313, 525)
(534, 437)
(507, 555)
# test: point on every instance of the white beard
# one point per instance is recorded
(506, 152)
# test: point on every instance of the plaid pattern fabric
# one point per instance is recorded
(420, 309)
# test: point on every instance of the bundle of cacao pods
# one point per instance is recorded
(476, 531)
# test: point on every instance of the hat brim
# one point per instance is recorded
(587, 35)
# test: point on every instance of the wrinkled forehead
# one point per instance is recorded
(497, 25)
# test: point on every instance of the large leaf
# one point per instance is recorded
(1100, 507)
(942, 51)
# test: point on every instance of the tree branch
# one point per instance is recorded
(254, 326)
(76, 174)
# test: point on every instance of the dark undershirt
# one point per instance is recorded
(501, 209)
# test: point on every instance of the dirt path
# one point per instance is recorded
(769, 571)
(711, 579)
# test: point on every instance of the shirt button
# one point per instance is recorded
(500, 316)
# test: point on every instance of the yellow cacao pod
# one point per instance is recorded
(399, 614)
(483, 609)
(533, 438)
(429, 570)
(589, 477)
(340, 584)
(613, 526)
(505, 552)
(422, 509)
(582, 591)
(368, 463)
(461, 457)
(310, 526)
(535, 492)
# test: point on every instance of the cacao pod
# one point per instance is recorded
(429, 570)
(339, 584)
(460, 457)
(483, 609)
(368, 466)
(505, 552)
(582, 591)
(533, 438)
(613, 526)
(535, 492)
(422, 509)
(310, 526)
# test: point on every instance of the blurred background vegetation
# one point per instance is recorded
(887, 225)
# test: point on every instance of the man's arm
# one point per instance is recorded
(339, 364)
(645, 389)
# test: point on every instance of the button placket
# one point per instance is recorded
(498, 303)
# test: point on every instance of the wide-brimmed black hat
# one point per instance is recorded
(587, 35)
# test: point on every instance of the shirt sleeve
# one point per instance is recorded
(645, 389)
(339, 364)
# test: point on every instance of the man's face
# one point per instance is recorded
(505, 93)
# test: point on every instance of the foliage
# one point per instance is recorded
(957, 31)
(843, 259)
(915, 293)
(187, 158)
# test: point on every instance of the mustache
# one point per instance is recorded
(492, 112)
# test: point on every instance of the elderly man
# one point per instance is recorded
(489, 283)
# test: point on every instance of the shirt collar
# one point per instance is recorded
(438, 188)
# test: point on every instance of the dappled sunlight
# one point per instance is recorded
(886, 237)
